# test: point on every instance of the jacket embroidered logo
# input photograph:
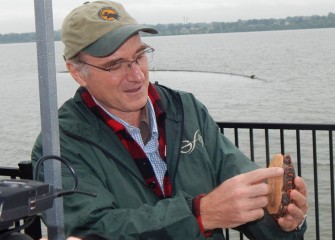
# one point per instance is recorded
(188, 146)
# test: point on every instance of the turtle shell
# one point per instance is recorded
(281, 187)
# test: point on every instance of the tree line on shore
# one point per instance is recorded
(299, 22)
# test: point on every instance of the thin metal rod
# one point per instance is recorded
(49, 113)
(227, 234)
(267, 147)
(236, 137)
(298, 142)
(252, 148)
(332, 188)
(282, 141)
(316, 188)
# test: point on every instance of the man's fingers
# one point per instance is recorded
(254, 214)
(256, 190)
(262, 174)
(256, 203)
(296, 213)
(299, 195)
(299, 199)
(287, 224)
(300, 185)
(292, 219)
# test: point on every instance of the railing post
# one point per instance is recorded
(49, 113)
(267, 146)
(332, 180)
(316, 188)
(252, 147)
(298, 152)
(26, 170)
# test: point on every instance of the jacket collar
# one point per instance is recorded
(94, 131)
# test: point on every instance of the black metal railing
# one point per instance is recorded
(311, 147)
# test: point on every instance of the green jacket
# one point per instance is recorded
(199, 158)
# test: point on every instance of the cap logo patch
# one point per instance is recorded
(109, 14)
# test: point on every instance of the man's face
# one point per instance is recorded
(119, 94)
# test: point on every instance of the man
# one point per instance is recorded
(125, 138)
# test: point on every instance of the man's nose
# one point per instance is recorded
(134, 72)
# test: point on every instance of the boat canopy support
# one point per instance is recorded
(49, 111)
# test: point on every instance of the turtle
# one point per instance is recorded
(281, 187)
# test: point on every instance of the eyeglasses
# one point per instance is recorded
(120, 68)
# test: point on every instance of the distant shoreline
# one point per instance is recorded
(252, 25)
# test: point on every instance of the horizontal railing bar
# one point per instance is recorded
(287, 126)
(9, 172)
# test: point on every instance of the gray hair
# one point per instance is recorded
(78, 65)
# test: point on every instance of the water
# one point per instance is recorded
(294, 82)
(296, 69)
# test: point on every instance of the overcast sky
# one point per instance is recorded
(18, 16)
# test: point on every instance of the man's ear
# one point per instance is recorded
(76, 74)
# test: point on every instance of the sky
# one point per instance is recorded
(18, 16)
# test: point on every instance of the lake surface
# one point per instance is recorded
(293, 81)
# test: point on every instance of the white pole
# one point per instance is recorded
(49, 111)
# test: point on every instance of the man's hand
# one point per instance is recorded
(296, 210)
(242, 199)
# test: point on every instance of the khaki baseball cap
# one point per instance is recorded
(98, 28)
